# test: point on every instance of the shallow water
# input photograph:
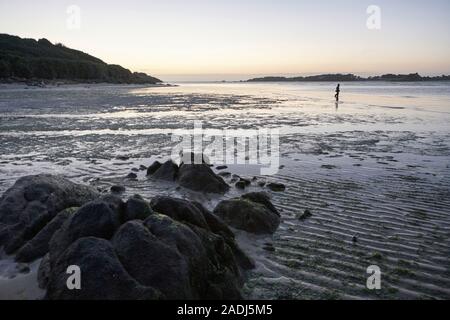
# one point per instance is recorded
(376, 166)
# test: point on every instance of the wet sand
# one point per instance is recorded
(375, 168)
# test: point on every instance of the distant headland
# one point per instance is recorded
(25, 60)
(413, 77)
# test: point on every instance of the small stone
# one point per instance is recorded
(118, 189)
(132, 175)
(277, 187)
(167, 171)
(23, 268)
(142, 167)
(262, 184)
(328, 166)
(305, 215)
(222, 167)
(123, 158)
(355, 239)
(240, 185)
(135, 170)
(269, 248)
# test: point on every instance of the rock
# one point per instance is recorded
(195, 214)
(118, 189)
(132, 175)
(218, 226)
(39, 245)
(213, 271)
(224, 174)
(269, 248)
(244, 214)
(240, 185)
(262, 198)
(168, 171)
(95, 219)
(277, 187)
(262, 184)
(355, 239)
(124, 250)
(215, 224)
(160, 265)
(33, 201)
(305, 215)
(328, 166)
(44, 270)
(153, 168)
(221, 167)
(159, 258)
(142, 167)
(123, 158)
(179, 210)
(23, 268)
(245, 181)
(135, 169)
(103, 276)
(114, 202)
(200, 178)
(136, 208)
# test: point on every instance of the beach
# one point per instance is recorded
(373, 171)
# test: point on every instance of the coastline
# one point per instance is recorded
(75, 85)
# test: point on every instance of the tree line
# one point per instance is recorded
(31, 59)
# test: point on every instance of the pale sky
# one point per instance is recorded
(235, 39)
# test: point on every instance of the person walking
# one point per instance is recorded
(338, 91)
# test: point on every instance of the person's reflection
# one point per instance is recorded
(337, 105)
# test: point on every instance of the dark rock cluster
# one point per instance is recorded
(196, 177)
(163, 249)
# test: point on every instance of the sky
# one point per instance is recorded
(238, 39)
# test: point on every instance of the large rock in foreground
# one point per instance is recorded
(103, 277)
(33, 202)
(167, 249)
(253, 213)
(176, 250)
